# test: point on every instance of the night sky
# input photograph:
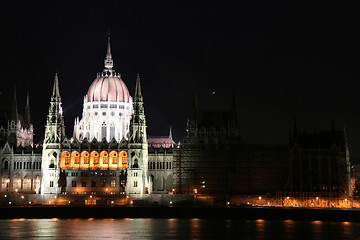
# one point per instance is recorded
(283, 61)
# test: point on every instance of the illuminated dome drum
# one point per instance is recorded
(107, 107)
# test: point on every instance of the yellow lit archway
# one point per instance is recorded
(123, 160)
(65, 160)
(84, 160)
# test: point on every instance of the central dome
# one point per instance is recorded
(108, 87)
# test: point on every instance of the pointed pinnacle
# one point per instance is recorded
(138, 87)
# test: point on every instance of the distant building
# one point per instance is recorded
(214, 160)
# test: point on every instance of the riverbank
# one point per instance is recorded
(305, 214)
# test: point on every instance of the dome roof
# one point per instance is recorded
(108, 88)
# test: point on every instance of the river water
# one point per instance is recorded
(175, 229)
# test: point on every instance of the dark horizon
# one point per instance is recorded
(283, 61)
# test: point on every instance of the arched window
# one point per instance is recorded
(52, 163)
(104, 160)
(84, 160)
(136, 164)
(5, 181)
(112, 131)
(27, 183)
(75, 157)
(17, 182)
(94, 160)
(124, 159)
(104, 157)
(6, 165)
(103, 130)
(64, 160)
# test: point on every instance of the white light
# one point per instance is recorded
(69, 201)
(10, 203)
(29, 202)
(259, 198)
(5, 195)
(112, 202)
(170, 202)
(228, 203)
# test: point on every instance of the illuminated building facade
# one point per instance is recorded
(110, 153)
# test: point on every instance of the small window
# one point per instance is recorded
(135, 184)
(6, 165)
(113, 183)
(73, 183)
(83, 183)
(93, 183)
(51, 183)
(103, 183)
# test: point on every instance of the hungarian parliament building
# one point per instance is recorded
(110, 153)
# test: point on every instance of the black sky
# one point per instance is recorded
(283, 60)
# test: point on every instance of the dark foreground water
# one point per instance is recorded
(175, 229)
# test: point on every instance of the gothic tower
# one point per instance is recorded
(20, 129)
(54, 135)
(137, 176)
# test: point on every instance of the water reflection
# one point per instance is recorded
(174, 229)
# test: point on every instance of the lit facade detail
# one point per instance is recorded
(107, 107)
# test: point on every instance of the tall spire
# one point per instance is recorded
(14, 110)
(56, 93)
(170, 134)
(27, 110)
(108, 60)
(138, 96)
